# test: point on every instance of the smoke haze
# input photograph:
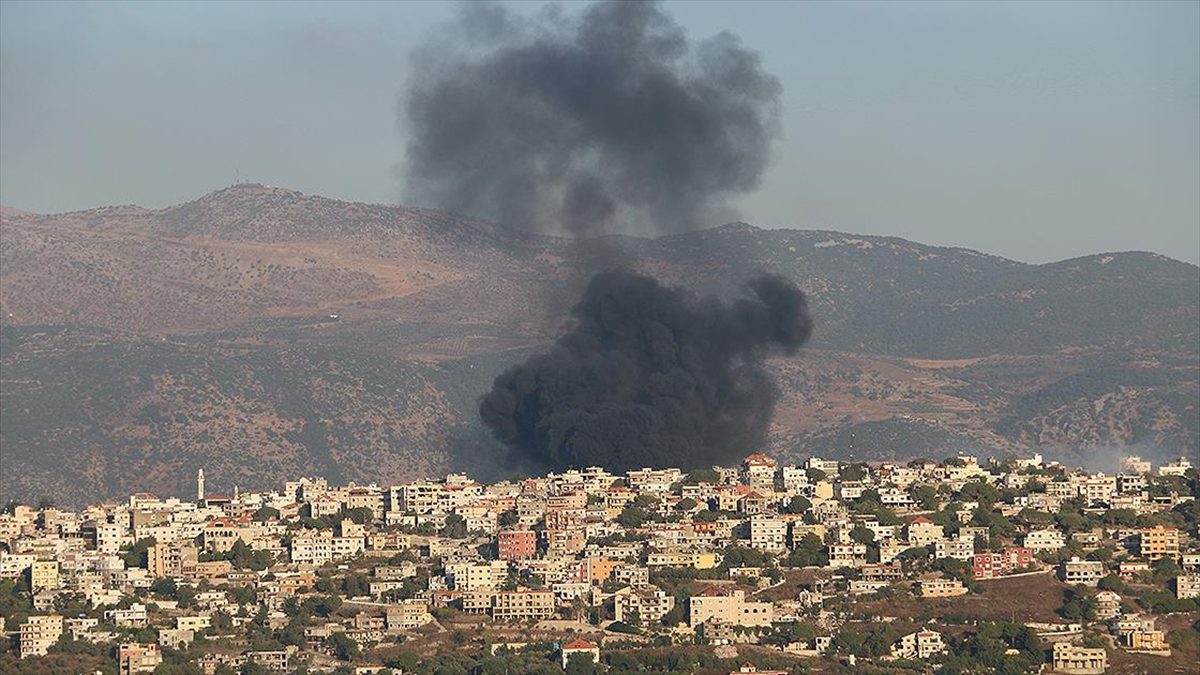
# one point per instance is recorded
(651, 376)
(610, 121)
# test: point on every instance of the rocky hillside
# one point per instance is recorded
(258, 331)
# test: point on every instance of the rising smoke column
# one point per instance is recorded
(651, 376)
(604, 122)
(609, 121)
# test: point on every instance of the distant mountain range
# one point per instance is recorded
(259, 333)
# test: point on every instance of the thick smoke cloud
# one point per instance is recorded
(609, 121)
(651, 376)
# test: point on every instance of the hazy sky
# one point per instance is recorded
(1034, 131)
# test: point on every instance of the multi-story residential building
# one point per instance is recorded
(133, 616)
(992, 565)
(133, 658)
(1187, 586)
(1108, 605)
(43, 576)
(648, 604)
(1098, 489)
(829, 467)
(565, 542)
(701, 560)
(522, 604)
(959, 549)
(1084, 572)
(171, 560)
(768, 534)
(407, 615)
(477, 576)
(418, 497)
(923, 532)
(1177, 468)
(1158, 541)
(1067, 658)
(726, 606)
(924, 644)
(39, 633)
(1044, 540)
(759, 471)
(516, 544)
(847, 555)
(1135, 465)
(314, 549)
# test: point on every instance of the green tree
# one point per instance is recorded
(798, 505)
(344, 647)
(456, 527)
(265, 513)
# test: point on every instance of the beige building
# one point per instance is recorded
(1187, 586)
(43, 576)
(1044, 540)
(1067, 658)
(167, 560)
(920, 645)
(923, 532)
(647, 603)
(39, 633)
(1086, 572)
(133, 658)
(942, 588)
(407, 615)
(521, 605)
(727, 606)
(477, 576)
(768, 534)
(1158, 541)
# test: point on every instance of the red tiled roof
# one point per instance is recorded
(578, 645)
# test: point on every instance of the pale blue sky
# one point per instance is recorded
(1034, 131)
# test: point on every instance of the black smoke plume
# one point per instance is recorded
(610, 121)
(651, 376)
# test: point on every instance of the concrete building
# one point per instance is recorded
(580, 647)
(1158, 541)
(43, 576)
(133, 658)
(923, 532)
(1044, 540)
(720, 605)
(1085, 572)
(516, 544)
(521, 605)
(1187, 586)
(768, 534)
(39, 633)
(647, 603)
(942, 588)
(1067, 658)
(167, 560)
(922, 644)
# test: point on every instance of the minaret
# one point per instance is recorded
(200, 485)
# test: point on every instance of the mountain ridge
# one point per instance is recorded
(257, 330)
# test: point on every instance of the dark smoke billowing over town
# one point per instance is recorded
(651, 376)
(611, 121)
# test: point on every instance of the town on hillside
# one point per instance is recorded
(957, 566)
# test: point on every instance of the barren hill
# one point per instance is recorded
(258, 332)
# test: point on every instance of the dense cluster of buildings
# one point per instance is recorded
(595, 547)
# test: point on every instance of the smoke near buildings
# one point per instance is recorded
(611, 121)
